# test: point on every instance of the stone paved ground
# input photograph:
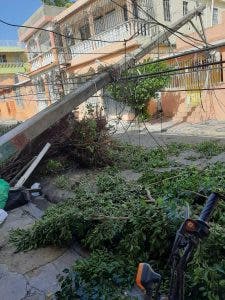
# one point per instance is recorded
(30, 275)
(150, 135)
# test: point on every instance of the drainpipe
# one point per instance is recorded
(212, 7)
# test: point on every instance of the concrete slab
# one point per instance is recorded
(23, 262)
(35, 296)
(13, 286)
(41, 203)
(67, 260)
(16, 219)
(33, 210)
(44, 279)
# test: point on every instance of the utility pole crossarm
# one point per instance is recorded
(14, 141)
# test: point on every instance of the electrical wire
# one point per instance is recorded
(161, 24)
(186, 53)
(164, 73)
(170, 29)
(57, 33)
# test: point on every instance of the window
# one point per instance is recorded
(99, 24)
(215, 16)
(135, 9)
(185, 8)
(68, 32)
(44, 41)
(125, 13)
(3, 58)
(166, 10)
(110, 19)
(32, 49)
(85, 33)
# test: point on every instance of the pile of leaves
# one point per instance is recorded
(86, 143)
(116, 222)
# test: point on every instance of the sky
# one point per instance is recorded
(16, 12)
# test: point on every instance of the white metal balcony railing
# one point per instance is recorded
(42, 60)
(11, 43)
(117, 33)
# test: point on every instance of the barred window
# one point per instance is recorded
(185, 8)
(215, 16)
(166, 10)
(3, 58)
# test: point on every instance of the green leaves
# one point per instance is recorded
(136, 93)
(113, 220)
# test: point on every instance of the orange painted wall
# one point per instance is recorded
(10, 109)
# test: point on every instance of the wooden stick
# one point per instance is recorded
(29, 171)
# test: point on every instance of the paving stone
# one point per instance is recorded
(13, 286)
(33, 210)
(16, 218)
(217, 158)
(23, 262)
(66, 260)
(44, 279)
(35, 296)
(53, 193)
(41, 202)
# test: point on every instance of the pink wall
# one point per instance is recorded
(211, 103)
(212, 106)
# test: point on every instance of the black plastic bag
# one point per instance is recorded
(17, 198)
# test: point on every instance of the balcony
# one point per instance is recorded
(13, 67)
(42, 60)
(118, 33)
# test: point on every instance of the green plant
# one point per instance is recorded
(118, 225)
(101, 276)
(91, 142)
(63, 182)
(210, 148)
(54, 166)
(138, 92)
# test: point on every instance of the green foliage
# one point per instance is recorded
(92, 144)
(136, 93)
(108, 277)
(140, 159)
(62, 182)
(54, 166)
(120, 229)
(60, 3)
(210, 148)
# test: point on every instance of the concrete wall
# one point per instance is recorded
(198, 106)
(18, 106)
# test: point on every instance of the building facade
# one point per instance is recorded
(91, 34)
(42, 55)
(198, 94)
(13, 64)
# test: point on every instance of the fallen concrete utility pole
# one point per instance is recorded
(14, 141)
